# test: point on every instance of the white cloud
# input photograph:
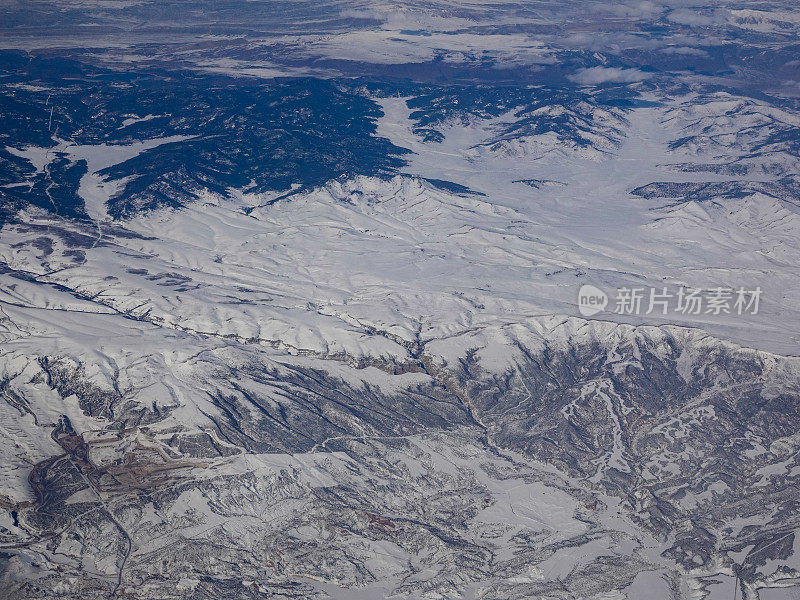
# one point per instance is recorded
(693, 18)
(631, 9)
(598, 75)
(383, 46)
(685, 51)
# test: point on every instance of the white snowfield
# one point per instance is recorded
(314, 271)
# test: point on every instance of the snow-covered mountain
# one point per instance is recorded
(291, 300)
